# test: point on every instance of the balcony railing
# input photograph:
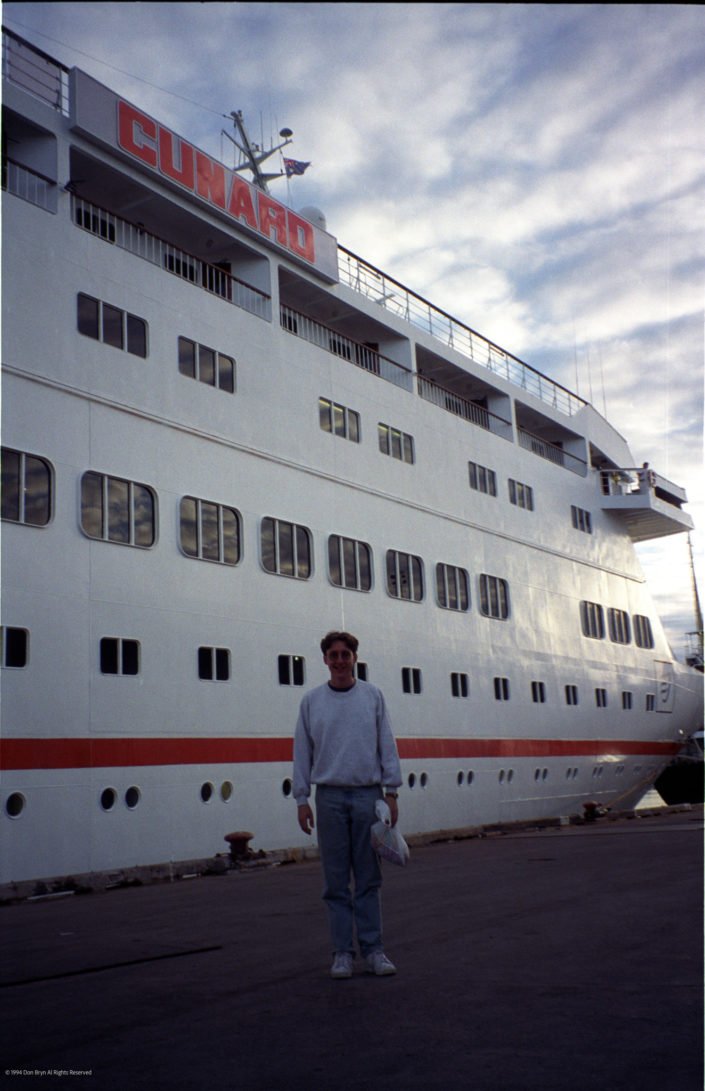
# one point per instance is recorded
(463, 407)
(557, 455)
(151, 248)
(34, 71)
(370, 360)
(392, 295)
(29, 185)
(354, 351)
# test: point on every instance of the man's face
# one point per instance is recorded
(340, 662)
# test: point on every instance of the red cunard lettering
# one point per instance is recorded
(210, 180)
(272, 217)
(137, 133)
(241, 205)
(182, 173)
(301, 239)
(178, 160)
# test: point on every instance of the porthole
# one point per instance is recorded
(510, 776)
(207, 792)
(461, 778)
(132, 797)
(226, 791)
(108, 799)
(286, 788)
(423, 780)
(470, 777)
(501, 776)
(412, 780)
(15, 805)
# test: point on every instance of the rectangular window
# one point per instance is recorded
(15, 647)
(26, 488)
(452, 587)
(411, 680)
(538, 693)
(482, 479)
(286, 549)
(494, 597)
(214, 664)
(501, 689)
(643, 634)
(118, 656)
(209, 531)
(291, 670)
(404, 576)
(627, 700)
(521, 495)
(650, 702)
(111, 325)
(349, 563)
(339, 420)
(206, 365)
(459, 684)
(592, 620)
(582, 520)
(395, 443)
(571, 695)
(360, 671)
(601, 697)
(114, 510)
(619, 629)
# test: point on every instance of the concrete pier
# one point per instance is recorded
(556, 960)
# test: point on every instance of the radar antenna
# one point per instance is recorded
(252, 154)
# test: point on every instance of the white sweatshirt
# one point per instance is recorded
(344, 738)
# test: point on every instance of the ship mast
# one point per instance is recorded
(252, 155)
(695, 649)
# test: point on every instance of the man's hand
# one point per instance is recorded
(306, 819)
(393, 805)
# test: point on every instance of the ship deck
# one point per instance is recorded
(546, 959)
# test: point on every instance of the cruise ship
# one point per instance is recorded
(225, 434)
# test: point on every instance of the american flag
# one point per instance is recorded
(294, 166)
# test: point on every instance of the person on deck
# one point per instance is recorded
(344, 744)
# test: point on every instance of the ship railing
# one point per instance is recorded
(395, 297)
(641, 480)
(34, 71)
(133, 238)
(550, 451)
(354, 352)
(463, 407)
(29, 185)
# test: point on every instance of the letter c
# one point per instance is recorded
(135, 132)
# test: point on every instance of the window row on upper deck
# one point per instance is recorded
(124, 512)
(347, 333)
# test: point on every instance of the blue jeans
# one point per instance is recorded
(344, 817)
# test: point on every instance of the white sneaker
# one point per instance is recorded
(379, 964)
(342, 965)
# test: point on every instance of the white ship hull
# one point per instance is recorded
(106, 769)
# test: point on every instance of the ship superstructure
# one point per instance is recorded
(223, 435)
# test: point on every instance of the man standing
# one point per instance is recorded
(344, 745)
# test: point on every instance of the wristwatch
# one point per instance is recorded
(391, 795)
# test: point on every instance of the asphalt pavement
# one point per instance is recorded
(563, 959)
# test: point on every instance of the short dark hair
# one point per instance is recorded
(347, 638)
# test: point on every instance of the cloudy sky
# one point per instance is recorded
(536, 170)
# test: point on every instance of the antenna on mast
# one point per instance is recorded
(252, 154)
